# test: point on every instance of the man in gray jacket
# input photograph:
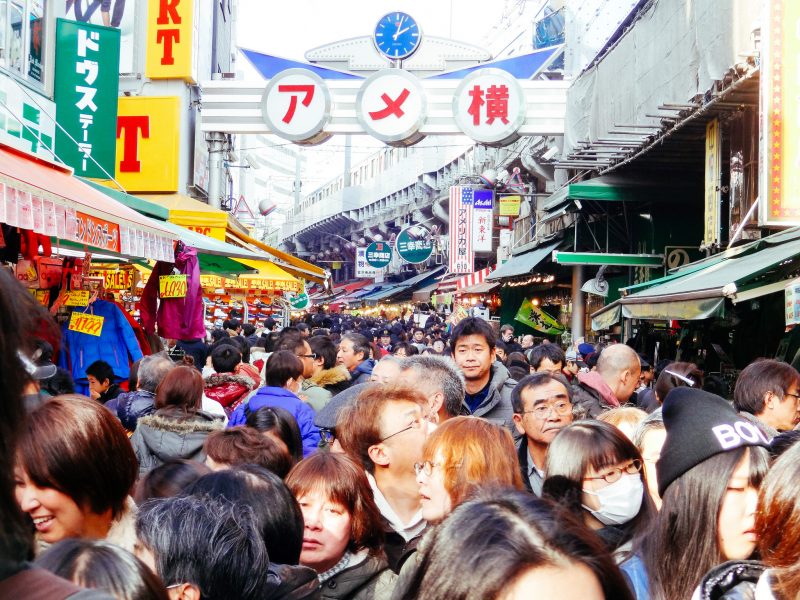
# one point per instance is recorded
(488, 382)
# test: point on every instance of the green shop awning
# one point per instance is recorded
(613, 188)
(522, 264)
(144, 207)
(699, 293)
(652, 261)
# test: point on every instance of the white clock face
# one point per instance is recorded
(397, 35)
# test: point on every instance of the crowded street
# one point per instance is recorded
(398, 300)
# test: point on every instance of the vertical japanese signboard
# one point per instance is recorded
(711, 231)
(779, 179)
(171, 40)
(364, 270)
(482, 207)
(87, 85)
(462, 253)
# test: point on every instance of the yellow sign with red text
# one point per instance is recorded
(86, 323)
(148, 138)
(172, 286)
(76, 298)
(779, 178)
(170, 40)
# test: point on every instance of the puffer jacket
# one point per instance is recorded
(131, 406)
(290, 582)
(281, 398)
(496, 407)
(735, 580)
(229, 389)
(165, 436)
(322, 386)
(368, 579)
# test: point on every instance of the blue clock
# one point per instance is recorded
(397, 35)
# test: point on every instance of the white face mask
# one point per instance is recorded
(619, 502)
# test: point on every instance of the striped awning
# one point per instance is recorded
(473, 279)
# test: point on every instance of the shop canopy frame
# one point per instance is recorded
(392, 290)
(700, 290)
(56, 183)
(523, 264)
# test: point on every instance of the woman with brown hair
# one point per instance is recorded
(461, 456)
(178, 428)
(343, 534)
(75, 468)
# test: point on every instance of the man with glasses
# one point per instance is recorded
(312, 393)
(384, 430)
(542, 405)
(767, 393)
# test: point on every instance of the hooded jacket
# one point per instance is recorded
(322, 386)
(290, 582)
(363, 371)
(369, 579)
(496, 407)
(593, 394)
(116, 344)
(131, 406)
(229, 389)
(281, 398)
(164, 436)
(177, 318)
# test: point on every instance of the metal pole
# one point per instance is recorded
(578, 306)
(215, 166)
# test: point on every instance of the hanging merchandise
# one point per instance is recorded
(537, 319)
(177, 318)
(89, 340)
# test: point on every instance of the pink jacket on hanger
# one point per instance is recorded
(177, 318)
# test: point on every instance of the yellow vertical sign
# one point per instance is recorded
(712, 187)
(170, 25)
(779, 177)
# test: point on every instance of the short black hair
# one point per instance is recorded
(324, 348)
(535, 380)
(101, 371)
(474, 326)
(248, 329)
(360, 343)
(225, 357)
(552, 352)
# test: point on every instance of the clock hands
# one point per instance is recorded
(399, 25)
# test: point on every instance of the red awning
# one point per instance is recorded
(351, 287)
(90, 217)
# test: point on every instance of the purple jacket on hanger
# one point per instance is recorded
(177, 318)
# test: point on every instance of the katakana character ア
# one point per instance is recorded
(89, 69)
(475, 106)
(88, 43)
(87, 98)
(307, 89)
(497, 104)
(392, 106)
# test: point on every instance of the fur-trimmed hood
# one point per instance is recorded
(218, 379)
(329, 377)
(200, 422)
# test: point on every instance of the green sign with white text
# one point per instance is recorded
(86, 90)
(413, 250)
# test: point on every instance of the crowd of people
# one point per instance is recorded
(349, 458)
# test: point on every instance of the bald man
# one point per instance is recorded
(612, 384)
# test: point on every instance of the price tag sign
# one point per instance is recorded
(86, 323)
(172, 286)
(77, 298)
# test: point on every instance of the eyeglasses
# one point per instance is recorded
(795, 396)
(426, 467)
(613, 475)
(558, 404)
(415, 424)
(312, 355)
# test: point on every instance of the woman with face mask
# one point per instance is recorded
(596, 472)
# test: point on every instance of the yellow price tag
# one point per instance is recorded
(172, 286)
(77, 298)
(86, 323)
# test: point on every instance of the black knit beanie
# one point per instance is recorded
(700, 425)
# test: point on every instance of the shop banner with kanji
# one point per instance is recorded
(462, 253)
(779, 178)
(86, 90)
(535, 318)
(482, 209)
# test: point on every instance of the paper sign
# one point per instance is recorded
(172, 286)
(86, 323)
(77, 298)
